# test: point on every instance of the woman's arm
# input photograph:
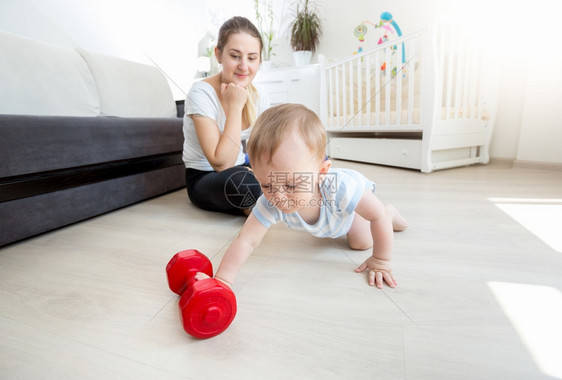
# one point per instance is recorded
(222, 149)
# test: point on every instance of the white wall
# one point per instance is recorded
(164, 32)
(541, 122)
(24, 19)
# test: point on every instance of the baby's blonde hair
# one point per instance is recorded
(277, 123)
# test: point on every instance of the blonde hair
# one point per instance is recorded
(276, 123)
(237, 25)
(249, 110)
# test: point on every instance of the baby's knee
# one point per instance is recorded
(360, 245)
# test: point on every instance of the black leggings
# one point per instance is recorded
(229, 191)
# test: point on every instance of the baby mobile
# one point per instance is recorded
(388, 26)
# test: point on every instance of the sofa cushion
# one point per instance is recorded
(41, 79)
(130, 89)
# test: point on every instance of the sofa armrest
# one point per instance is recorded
(180, 105)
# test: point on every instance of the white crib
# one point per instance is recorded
(435, 111)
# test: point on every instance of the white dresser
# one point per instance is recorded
(292, 85)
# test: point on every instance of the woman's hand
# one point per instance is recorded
(379, 272)
(233, 96)
(221, 148)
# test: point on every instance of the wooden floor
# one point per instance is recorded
(479, 291)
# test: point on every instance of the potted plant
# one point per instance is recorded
(306, 30)
(264, 18)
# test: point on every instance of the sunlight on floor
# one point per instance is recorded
(535, 311)
(542, 217)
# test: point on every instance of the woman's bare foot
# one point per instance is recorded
(398, 222)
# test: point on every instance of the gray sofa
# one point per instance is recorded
(81, 134)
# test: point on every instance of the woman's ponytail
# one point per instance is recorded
(249, 110)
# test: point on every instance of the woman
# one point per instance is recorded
(219, 113)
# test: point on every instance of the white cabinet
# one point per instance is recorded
(291, 85)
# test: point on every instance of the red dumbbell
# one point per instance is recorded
(208, 306)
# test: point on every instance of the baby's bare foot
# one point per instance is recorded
(398, 222)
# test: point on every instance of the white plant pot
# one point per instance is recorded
(266, 65)
(302, 57)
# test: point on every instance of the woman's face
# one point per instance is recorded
(240, 59)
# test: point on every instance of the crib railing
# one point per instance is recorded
(376, 90)
(445, 90)
(465, 96)
(460, 73)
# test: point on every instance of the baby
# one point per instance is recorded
(287, 154)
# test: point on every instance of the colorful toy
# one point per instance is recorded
(388, 26)
(207, 306)
(360, 31)
(386, 22)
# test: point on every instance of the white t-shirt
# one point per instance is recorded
(203, 100)
(341, 191)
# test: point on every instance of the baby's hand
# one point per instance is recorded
(202, 276)
(379, 272)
